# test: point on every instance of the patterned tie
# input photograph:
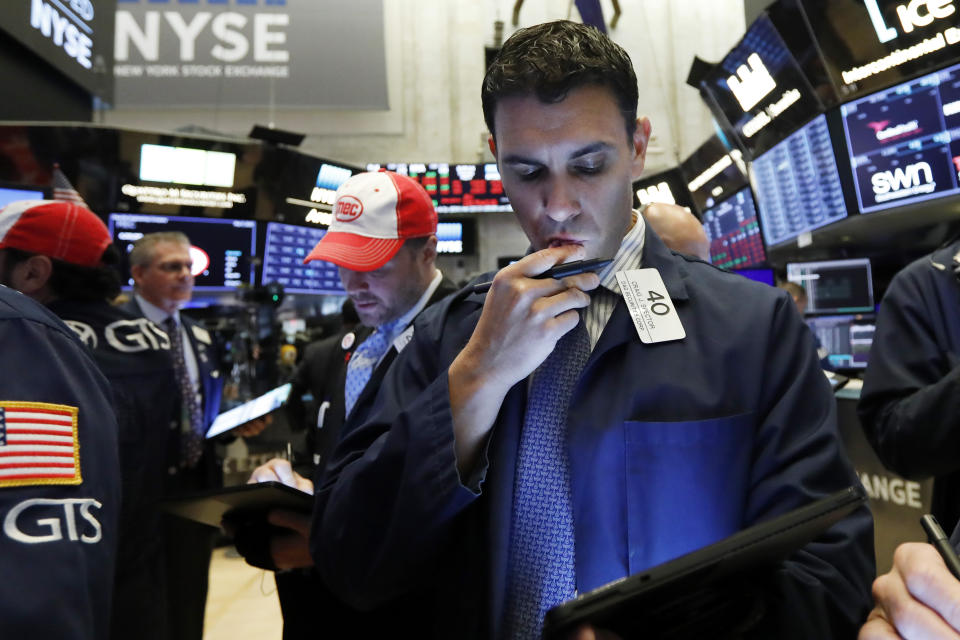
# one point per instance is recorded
(541, 570)
(191, 436)
(363, 361)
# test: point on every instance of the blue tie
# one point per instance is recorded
(191, 436)
(362, 363)
(541, 567)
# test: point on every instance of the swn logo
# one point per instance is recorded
(348, 208)
(906, 181)
(916, 13)
(752, 82)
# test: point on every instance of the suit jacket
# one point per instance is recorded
(672, 446)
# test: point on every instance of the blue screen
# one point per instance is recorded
(798, 185)
(759, 275)
(12, 195)
(283, 253)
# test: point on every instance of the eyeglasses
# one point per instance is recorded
(174, 266)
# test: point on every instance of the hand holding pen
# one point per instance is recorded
(558, 272)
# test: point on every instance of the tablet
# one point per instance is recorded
(240, 502)
(708, 589)
(244, 413)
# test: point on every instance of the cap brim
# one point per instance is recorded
(357, 253)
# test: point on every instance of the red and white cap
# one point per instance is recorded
(373, 214)
(54, 228)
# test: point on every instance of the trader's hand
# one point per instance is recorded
(279, 470)
(290, 550)
(255, 427)
(586, 632)
(918, 598)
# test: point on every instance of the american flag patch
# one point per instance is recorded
(38, 444)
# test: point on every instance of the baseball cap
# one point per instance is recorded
(373, 214)
(54, 228)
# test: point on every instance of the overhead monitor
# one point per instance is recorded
(734, 234)
(904, 142)
(766, 276)
(797, 184)
(284, 250)
(870, 44)
(835, 286)
(760, 90)
(12, 194)
(456, 188)
(221, 249)
(668, 187)
(846, 339)
(186, 165)
(713, 173)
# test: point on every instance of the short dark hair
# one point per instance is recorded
(551, 59)
(73, 282)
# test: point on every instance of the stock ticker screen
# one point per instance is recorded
(798, 185)
(904, 142)
(284, 250)
(734, 233)
(456, 188)
(846, 338)
(835, 286)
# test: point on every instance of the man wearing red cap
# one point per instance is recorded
(383, 239)
(60, 254)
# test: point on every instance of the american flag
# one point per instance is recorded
(63, 190)
(38, 444)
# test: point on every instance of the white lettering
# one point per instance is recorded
(884, 33)
(910, 16)
(711, 172)
(751, 83)
(901, 492)
(894, 59)
(221, 28)
(898, 130)
(263, 37)
(187, 33)
(903, 182)
(62, 32)
(656, 193)
(146, 40)
(54, 529)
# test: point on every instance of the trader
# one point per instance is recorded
(507, 495)
(383, 240)
(60, 481)
(678, 229)
(910, 403)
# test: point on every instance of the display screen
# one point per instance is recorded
(12, 195)
(183, 165)
(456, 188)
(450, 237)
(713, 173)
(834, 286)
(766, 276)
(734, 233)
(870, 44)
(668, 187)
(760, 90)
(221, 248)
(283, 253)
(798, 185)
(904, 142)
(845, 338)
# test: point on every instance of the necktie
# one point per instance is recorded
(191, 436)
(541, 566)
(362, 363)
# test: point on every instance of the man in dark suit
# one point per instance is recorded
(160, 264)
(383, 239)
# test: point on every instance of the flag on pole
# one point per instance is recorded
(63, 190)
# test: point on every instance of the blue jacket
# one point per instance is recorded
(672, 446)
(58, 541)
(910, 403)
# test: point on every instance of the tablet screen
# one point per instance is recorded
(247, 411)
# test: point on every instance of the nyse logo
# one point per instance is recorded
(46, 520)
(914, 14)
(348, 208)
(751, 83)
(65, 30)
(903, 181)
(656, 193)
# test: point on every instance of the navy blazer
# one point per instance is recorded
(672, 446)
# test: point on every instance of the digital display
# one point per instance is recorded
(221, 248)
(798, 185)
(870, 44)
(834, 286)
(183, 165)
(668, 187)
(766, 276)
(456, 188)
(734, 233)
(713, 173)
(845, 338)
(759, 89)
(449, 237)
(8, 195)
(283, 253)
(904, 142)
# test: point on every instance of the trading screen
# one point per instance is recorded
(734, 233)
(798, 185)
(456, 188)
(845, 338)
(834, 286)
(283, 253)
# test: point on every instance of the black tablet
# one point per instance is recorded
(241, 501)
(711, 588)
(244, 413)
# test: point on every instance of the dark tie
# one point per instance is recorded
(541, 568)
(191, 435)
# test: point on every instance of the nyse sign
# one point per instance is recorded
(250, 53)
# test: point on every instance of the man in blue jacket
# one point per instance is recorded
(550, 436)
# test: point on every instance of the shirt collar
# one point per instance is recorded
(155, 314)
(395, 328)
(629, 255)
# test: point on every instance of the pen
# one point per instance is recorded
(559, 271)
(939, 540)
